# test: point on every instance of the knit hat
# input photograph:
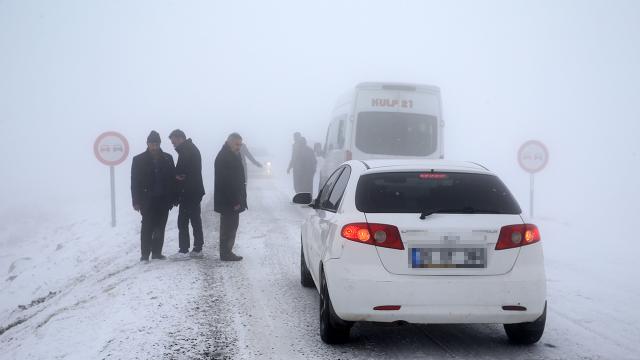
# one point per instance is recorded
(153, 138)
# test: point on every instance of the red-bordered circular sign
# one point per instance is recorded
(533, 156)
(111, 148)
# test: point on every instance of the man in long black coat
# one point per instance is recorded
(303, 162)
(190, 193)
(153, 195)
(230, 195)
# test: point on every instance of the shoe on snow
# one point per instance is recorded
(231, 257)
(196, 254)
(180, 256)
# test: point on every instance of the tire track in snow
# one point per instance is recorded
(209, 315)
(256, 282)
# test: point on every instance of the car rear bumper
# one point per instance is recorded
(355, 291)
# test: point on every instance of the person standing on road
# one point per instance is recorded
(294, 151)
(230, 196)
(244, 152)
(190, 193)
(304, 166)
(153, 194)
(303, 162)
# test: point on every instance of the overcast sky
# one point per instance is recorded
(563, 72)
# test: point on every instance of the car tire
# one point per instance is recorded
(527, 333)
(333, 330)
(305, 275)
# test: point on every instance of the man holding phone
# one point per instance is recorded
(190, 193)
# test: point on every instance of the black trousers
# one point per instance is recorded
(154, 221)
(228, 227)
(190, 211)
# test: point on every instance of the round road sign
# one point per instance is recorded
(533, 156)
(111, 148)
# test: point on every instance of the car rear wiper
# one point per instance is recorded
(428, 212)
(465, 210)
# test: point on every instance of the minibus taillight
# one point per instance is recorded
(513, 236)
(381, 235)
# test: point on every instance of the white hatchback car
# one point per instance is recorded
(421, 241)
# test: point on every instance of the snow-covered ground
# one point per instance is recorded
(77, 291)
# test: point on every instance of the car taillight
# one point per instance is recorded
(381, 235)
(348, 155)
(513, 236)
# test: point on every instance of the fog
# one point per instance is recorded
(563, 72)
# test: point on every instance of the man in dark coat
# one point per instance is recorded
(303, 162)
(190, 193)
(153, 195)
(230, 195)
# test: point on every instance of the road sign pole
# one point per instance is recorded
(532, 157)
(531, 195)
(113, 195)
(111, 149)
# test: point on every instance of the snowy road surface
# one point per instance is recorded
(84, 296)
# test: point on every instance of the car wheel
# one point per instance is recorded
(333, 330)
(527, 333)
(305, 275)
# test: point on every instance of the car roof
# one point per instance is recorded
(422, 165)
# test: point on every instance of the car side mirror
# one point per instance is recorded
(302, 198)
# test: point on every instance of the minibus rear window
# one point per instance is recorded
(391, 133)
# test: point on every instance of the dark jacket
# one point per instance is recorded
(145, 184)
(304, 167)
(189, 164)
(230, 184)
(303, 160)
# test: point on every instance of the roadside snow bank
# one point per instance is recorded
(79, 291)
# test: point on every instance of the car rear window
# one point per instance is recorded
(444, 192)
(391, 133)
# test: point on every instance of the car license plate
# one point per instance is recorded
(448, 257)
